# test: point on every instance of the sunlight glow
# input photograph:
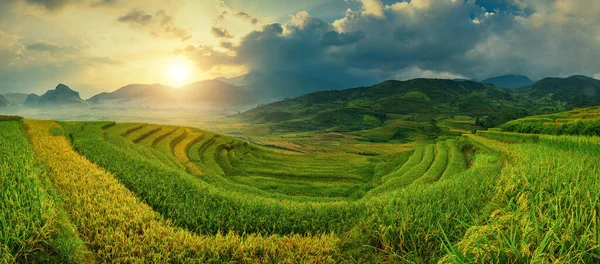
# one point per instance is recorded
(178, 73)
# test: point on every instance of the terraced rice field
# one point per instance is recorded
(129, 192)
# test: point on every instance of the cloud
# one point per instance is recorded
(220, 33)
(104, 3)
(206, 57)
(159, 24)
(50, 4)
(102, 60)
(39, 65)
(136, 17)
(247, 17)
(57, 5)
(374, 7)
(226, 45)
(44, 46)
(428, 38)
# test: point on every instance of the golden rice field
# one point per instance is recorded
(96, 192)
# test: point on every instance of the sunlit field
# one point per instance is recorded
(139, 192)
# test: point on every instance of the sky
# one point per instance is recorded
(101, 45)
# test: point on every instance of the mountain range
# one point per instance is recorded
(270, 87)
(240, 92)
(421, 101)
(412, 96)
(209, 93)
(510, 81)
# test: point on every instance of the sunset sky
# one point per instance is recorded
(101, 45)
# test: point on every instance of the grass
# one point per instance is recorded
(439, 165)
(129, 192)
(409, 175)
(457, 161)
(585, 121)
(202, 208)
(33, 227)
(119, 227)
(10, 118)
(545, 209)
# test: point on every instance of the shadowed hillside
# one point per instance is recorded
(419, 104)
(510, 81)
(414, 104)
(574, 92)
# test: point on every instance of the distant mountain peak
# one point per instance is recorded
(510, 81)
(63, 87)
(62, 95)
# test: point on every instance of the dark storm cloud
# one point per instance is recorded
(430, 38)
(220, 33)
(159, 24)
(361, 48)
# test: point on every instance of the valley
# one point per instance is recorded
(130, 191)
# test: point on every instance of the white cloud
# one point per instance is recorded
(373, 7)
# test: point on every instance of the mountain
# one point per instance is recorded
(510, 81)
(61, 96)
(269, 87)
(198, 94)
(32, 100)
(238, 92)
(124, 93)
(216, 93)
(245, 79)
(16, 98)
(3, 101)
(408, 104)
(575, 91)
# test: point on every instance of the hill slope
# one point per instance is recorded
(415, 103)
(584, 121)
(269, 87)
(574, 92)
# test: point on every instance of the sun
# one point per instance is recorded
(178, 73)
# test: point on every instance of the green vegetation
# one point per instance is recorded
(546, 206)
(33, 227)
(10, 118)
(133, 192)
(585, 121)
(118, 227)
(418, 110)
